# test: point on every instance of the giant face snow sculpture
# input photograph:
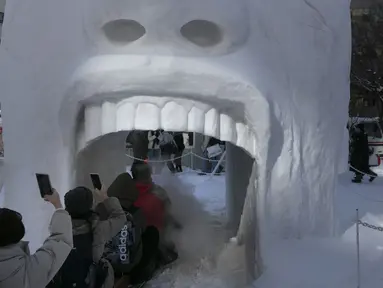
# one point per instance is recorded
(268, 76)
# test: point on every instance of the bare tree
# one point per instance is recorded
(367, 61)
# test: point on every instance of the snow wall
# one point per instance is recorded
(270, 77)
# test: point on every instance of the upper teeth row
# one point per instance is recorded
(127, 115)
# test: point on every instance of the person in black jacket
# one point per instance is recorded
(360, 154)
(179, 141)
(139, 141)
(133, 251)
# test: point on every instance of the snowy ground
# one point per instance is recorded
(305, 263)
(201, 209)
(331, 263)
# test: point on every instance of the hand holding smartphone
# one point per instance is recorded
(44, 184)
(96, 181)
(99, 193)
(47, 192)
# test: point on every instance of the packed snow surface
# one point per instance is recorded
(297, 263)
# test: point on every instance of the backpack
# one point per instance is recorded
(79, 270)
(165, 138)
(120, 251)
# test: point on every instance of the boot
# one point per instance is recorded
(179, 168)
(372, 179)
(357, 179)
(171, 167)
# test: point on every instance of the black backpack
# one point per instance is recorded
(120, 251)
(75, 270)
(79, 270)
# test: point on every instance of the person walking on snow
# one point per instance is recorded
(360, 154)
(156, 205)
(168, 147)
(180, 145)
(154, 149)
(140, 142)
(211, 161)
(19, 268)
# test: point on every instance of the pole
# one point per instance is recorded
(192, 159)
(218, 164)
(357, 248)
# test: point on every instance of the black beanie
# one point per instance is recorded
(142, 172)
(79, 202)
(12, 229)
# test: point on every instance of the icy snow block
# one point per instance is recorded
(280, 68)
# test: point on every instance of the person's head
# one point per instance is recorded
(12, 229)
(142, 172)
(124, 189)
(360, 127)
(79, 202)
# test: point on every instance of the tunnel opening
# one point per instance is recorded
(209, 205)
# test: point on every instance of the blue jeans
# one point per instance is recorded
(154, 154)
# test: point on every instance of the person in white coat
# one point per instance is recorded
(19, 268)
(154, 150)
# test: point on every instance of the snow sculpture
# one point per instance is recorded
(268, 76)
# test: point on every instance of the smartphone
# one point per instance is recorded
(44, 184)
(96, 181)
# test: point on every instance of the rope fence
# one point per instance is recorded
(359, 223)
(174, 158)
(189, 154)
(159, 161)
(361, 172)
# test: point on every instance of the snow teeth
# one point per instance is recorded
(147, 117)
(212, 123)
(130, 114)
(196, 120)
(174, 117)
(108, 118)
(125, 114)
(227, 129)
(92, 127)
(242, 134)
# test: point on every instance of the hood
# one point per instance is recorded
(82, 226)
(124, 189)
(143, 187)
(12, 259)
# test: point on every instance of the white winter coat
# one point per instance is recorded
(151, 137)
(20, 269)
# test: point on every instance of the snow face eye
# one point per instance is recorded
(123, 31)
(202, 33)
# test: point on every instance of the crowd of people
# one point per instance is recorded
(169, 147)
(112, 237)
(148, 143)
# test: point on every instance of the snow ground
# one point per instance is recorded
(199, 203)
(303, 263)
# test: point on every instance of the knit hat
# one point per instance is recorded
(79, 202)
(12, 229)
(142, 172)
(124, 189)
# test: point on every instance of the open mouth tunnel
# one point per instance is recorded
(208, 195)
